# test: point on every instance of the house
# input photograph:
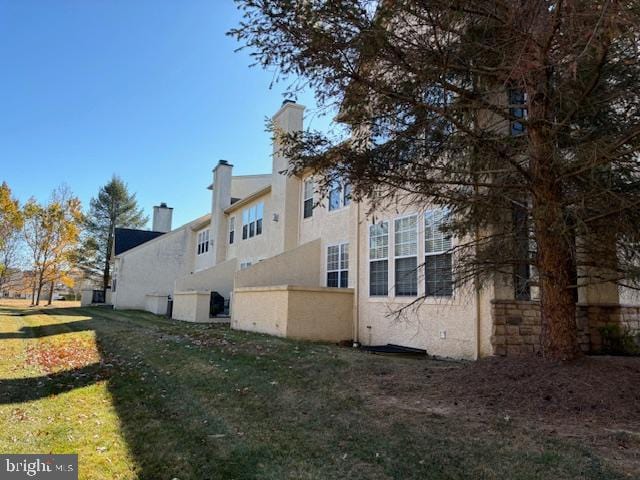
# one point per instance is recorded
(18, 284)
(280, 260)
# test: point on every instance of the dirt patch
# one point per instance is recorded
(595, 400)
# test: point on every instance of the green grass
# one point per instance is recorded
(138, 396)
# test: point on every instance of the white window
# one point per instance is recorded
(437, 250)
(252, 221)
(379, 259)
(338, 265)
(406, 256)
(244, 265)
(339, 195)
(307, 200)
(232, 230)
(203, 242)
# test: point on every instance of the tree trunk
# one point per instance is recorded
(50, 293)
(553, 233)
(39, 292)
(554, 239)
(557, 290)
(33, 291)
(106, 276)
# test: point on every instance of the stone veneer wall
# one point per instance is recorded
(517, 325)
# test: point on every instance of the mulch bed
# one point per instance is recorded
(592, 389)
(595, 400)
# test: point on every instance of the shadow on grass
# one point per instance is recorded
(48, 330)
(14, 390)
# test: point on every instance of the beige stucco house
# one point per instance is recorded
(286, 263)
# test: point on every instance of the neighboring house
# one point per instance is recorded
(18, 284)
(292, 265)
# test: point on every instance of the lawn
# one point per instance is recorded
(142, 397)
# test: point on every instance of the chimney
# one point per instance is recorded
(220, 201)
(285, 189)
(162, 218)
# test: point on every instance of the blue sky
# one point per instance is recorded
(150, 90)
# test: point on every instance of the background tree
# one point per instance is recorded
(10, 227)
(114, 207)
(522, 117)
(51, 233)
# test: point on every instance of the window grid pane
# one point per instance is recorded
(406, 277)
(332, 279)
(344, 256)
(334, 198)
(333, 258)
(308, 189)
(379, 241)
(406, 236)
(438, 275)
(435, 240)
(379, 278)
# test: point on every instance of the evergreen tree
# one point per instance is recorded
(114, 207)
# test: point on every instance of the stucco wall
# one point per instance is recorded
(244, 185)
(260, 309)
(215, 279)
(300, 266)
(318, 314)
(323, 314)
(191, 306)
(157, 304)
(150, 268)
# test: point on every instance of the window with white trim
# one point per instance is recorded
(252, 221)
(379, 259)
(203, 242)
(232, 230)
(438, 271)
(244, 265)
(338, 265)
(406, 256)
(307, 200)
(339, 195)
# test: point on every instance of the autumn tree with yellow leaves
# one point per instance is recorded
(52, 233)
(10, 227)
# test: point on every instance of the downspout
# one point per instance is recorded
(478, 313)
(356, 289)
